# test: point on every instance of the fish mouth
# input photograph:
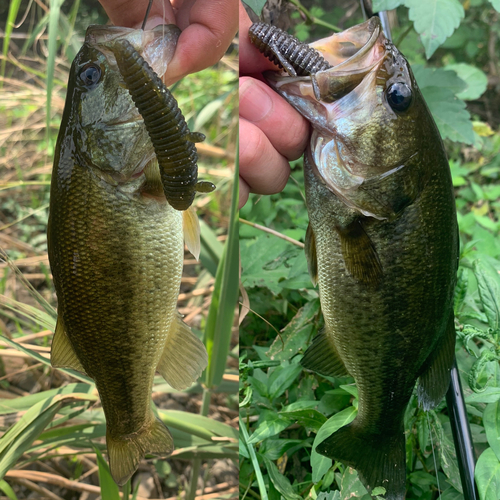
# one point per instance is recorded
(352, 53)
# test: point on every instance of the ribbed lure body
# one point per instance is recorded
(167, 128)
(283, 49)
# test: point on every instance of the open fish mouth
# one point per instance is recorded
(352, 54)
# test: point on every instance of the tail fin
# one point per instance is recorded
(379, 460)
(126, 452)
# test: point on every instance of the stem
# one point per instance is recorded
(403, 35)
(271, 231)
(205, 405)
(312, 19)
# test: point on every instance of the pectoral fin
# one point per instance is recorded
(191, 226)
(184, 357)
(312, 261)
(435, 379)
(360, 256)
(62, 354)
(322, 357)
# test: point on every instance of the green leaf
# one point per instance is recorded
(496, 4)
(435, 21)
(253, 459)
(221, 314)
(475, 79)
(11, 19)
(109, 489)
(282, 378)
(319, 463)
(21, 435)
(352, 487)
(296, 334)
(256, 5)
(281, 483)
(488, 285)
(5, 487)
(438, 77)
(312, 420)
(450, 114)
(271, 424)
(487, 475)
(491, 421)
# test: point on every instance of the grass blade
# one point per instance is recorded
(255, 463)
(109, 489)
(11, 18)
(5, 487)
(55, 7)
(221, 313)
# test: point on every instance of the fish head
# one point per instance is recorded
(100, 119)
(368, 117)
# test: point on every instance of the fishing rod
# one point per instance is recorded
(454, 397)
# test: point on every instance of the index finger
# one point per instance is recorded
(212, 27)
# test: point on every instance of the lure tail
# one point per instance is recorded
(379, 461)
(125, 452)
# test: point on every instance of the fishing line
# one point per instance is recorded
(433, 453)
(147, 14)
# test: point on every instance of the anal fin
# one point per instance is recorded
(322, 357)
(435, 379)
(184, 357)
(312, 260)
(360, 256)
(62, 354)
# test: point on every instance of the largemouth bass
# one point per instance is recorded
(116, 248)
(382, 240)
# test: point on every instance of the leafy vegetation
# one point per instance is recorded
(52, 424)
(286, 411)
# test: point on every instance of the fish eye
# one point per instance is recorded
(399, 96)
(90, 75)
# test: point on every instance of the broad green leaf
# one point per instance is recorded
(282, 378)
(256, 5)
(491, 421)
(450, 114)
(109, 489)
(270, 424)
(438, 77)
(281, 483)
(319, 463)
(352, 487)
(475, 79)
(296, 334)
(496, 4)
(255, 254)
(488, 285)
(275, 448)
(435, 21)
(487, 475)
(312, 420)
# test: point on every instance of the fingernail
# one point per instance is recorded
(255, 103)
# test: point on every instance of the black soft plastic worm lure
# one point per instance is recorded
(172, 140)
(289, 53)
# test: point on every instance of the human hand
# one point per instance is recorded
(207, 28)
(271, 131)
